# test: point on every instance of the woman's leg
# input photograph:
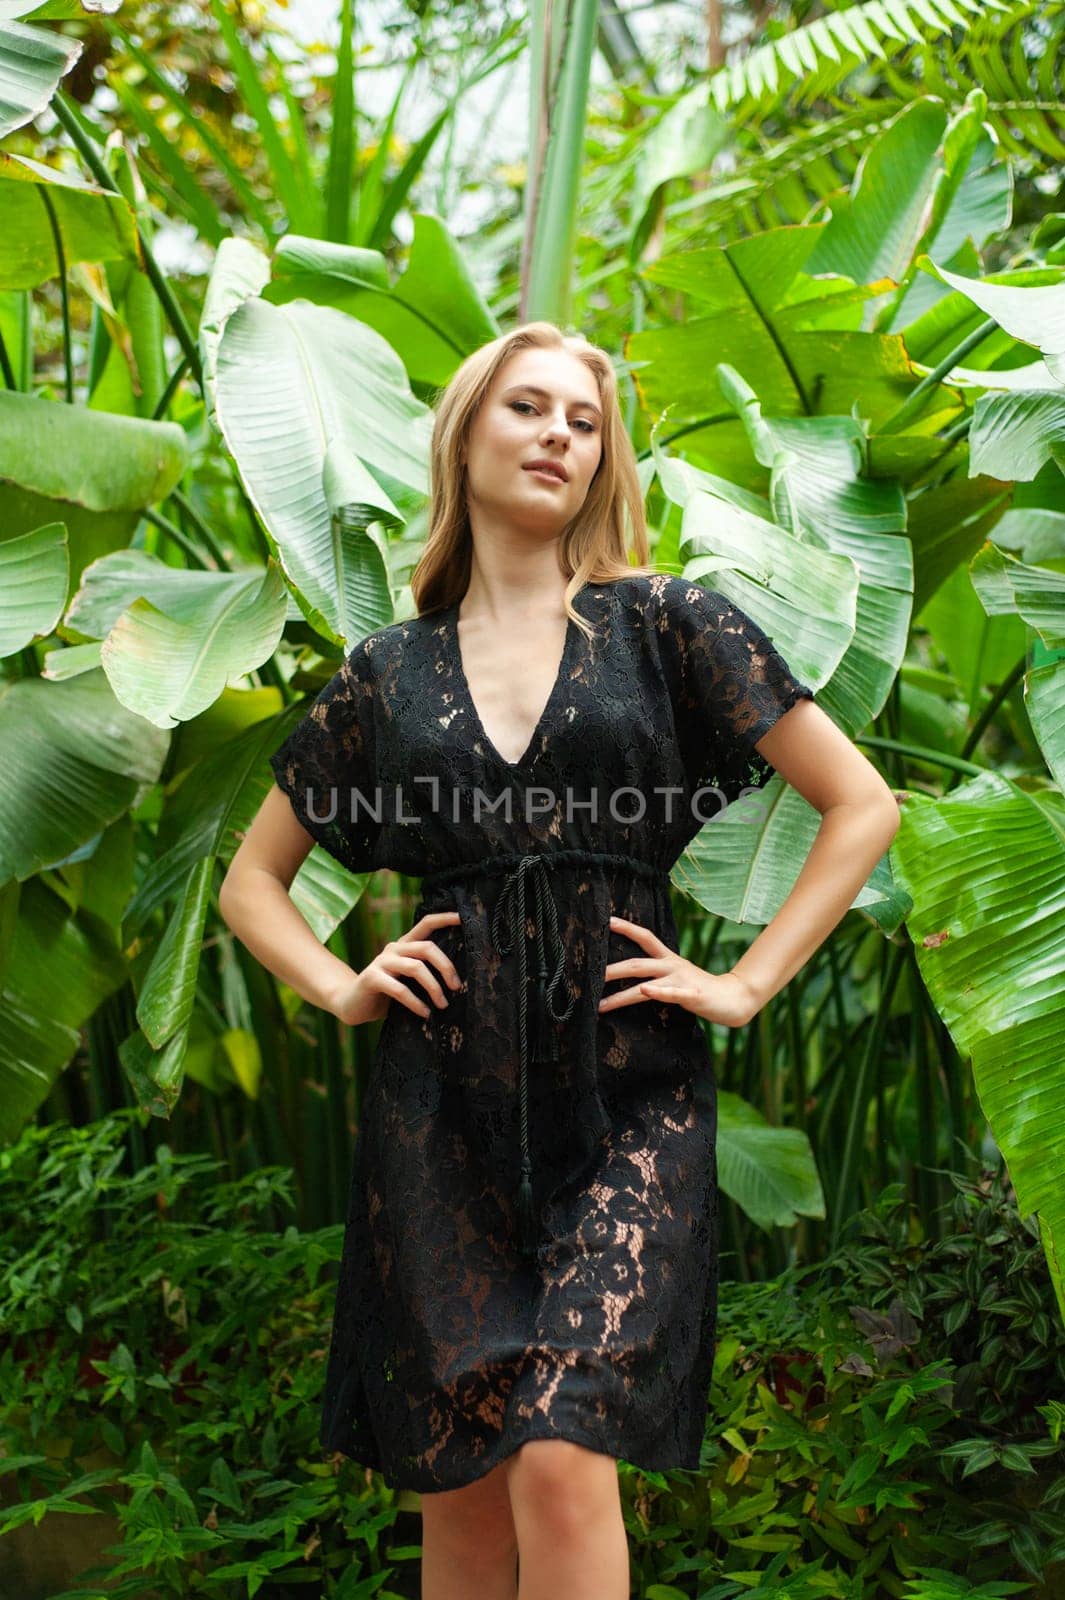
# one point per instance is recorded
(567, 1512)
(469, 1546)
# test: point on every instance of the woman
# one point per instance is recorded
(529, 1275)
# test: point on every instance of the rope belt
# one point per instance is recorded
(527, 874)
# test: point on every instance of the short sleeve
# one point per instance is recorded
(729, 686)
(327, 768)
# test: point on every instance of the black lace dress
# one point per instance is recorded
(531, 1242)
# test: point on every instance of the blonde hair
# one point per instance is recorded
(593, 546)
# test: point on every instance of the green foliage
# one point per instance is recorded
(163, 1327)
(881, 1422)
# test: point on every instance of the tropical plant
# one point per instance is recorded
(221, 486)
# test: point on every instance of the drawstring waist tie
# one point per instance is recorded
(524, 875)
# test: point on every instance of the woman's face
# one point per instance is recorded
(542, 405)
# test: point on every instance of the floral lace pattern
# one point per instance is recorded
(450, 1348)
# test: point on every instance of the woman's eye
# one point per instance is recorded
(589, 426)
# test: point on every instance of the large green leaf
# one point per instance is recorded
(823, 566)
(433, 316)
(1014, 434)
(1037, 594)
(947, 524)
(83, 760)
(684, 140)
(1029, 302)
(920, 185)
(757, 310)
(319, 416)
(155, 1074)
(240, 271)
(818, 491)
(94, 224)
(742, 865)
(34, 574)
(203, 821)
(61, 965)
(94, 471)
(946, 325)
(985, 867)
(32, 62)
(769, 1172)
(208, 813)
(174, 638)
(164, 1005)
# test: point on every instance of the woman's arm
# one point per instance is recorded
(256, 906)
(860, 817)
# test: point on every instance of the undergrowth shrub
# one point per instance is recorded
(886, 1422)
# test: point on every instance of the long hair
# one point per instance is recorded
(593, 547)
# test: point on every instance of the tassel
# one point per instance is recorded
(543, 1042)
(526, 1232)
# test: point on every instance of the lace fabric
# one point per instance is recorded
(451, 1347)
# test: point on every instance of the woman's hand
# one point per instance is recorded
(665, 975)
(366, 996)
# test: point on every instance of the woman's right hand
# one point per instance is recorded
(366, 996)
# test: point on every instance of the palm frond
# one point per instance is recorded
(821, 55)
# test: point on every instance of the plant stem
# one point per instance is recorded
(173, 311)
(918, 397)
(64, 292)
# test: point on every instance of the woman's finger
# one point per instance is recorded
(636, 967)
(385, 984)
(643, 936)
(624, 997)
(431, 951)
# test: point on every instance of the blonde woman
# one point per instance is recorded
(528, 1284)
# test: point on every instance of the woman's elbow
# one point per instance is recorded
(226, 895)
(891, 812)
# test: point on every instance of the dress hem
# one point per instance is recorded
(422, 1484)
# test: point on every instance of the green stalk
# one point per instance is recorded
(5, 365)
(340, 174)
(171, 389)
(791, 1003)
(563, 40)
(142, 310)
(982, 722)
(193, 552)
(926, 1182)
(847, 1181)
(921, 752)
(99, 171)
(61, 268)
(202, 529)
(916, 400)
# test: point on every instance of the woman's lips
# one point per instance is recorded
(540, 472)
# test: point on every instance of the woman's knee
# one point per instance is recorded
(562, 1483)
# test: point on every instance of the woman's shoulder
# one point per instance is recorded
(384, 647)
(663, 595)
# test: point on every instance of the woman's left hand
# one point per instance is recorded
(665, 975)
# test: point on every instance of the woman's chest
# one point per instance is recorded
(605, 716)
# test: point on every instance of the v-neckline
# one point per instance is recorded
(475, 715)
